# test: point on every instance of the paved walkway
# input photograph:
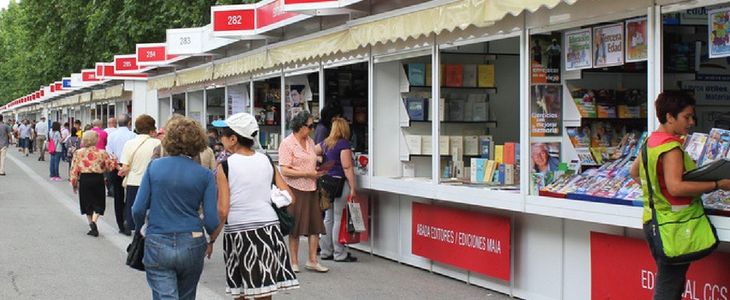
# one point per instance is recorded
(45, 253)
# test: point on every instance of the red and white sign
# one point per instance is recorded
(270, 15)
(231, 20)
(470, 240)
(622, 268)
(59, 86)
(153, 54)
(89, 76)
(298, 5)
(251, 20)
(126, 64)
(106, 71)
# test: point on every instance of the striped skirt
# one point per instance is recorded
(257, 261)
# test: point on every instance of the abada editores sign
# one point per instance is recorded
(622, 268)
(469, 240)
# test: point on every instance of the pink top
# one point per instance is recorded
(101, 144)
(292, 154)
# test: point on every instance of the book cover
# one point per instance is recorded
(509, 153)
(489, 169)
(454, 75)
(444, 145)
(456, 109)
(695, 145)
(485, 75)
(627, 111)
(486, 147)
(599, 154)
(456, 144)
(470, 75)
(413, 142)
(417, 74)
(580, 137)
(501, 175)
(417, 109)
(509, 174)
(477, 169)
(471, 145)
(605, 111)
(426, 145)
(479, 107)
(499, 153)
(716, 146)
(468, 110)
(585, 102)
(585, 156)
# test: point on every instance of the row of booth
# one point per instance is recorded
(467, 185)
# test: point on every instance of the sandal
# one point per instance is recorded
(295, 268)
(316, 268)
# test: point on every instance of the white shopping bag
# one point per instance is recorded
(356, 216)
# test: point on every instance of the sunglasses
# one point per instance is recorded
(311, 126)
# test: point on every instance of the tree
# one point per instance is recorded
(45, 40)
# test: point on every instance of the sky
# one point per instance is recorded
(4, 3)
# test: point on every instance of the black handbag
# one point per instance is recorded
(135, 252)
(332, 184)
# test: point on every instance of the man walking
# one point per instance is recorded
(24, 131)
(115, 146)
(41, 132)
(111, 126)
(5, 134)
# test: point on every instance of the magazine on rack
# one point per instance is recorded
(716, 170)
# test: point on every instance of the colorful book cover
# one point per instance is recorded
(499, 153)
(585, 101)
(585, 156)
(501, 174)
(509, 153)
(477, 169)
(454, 75)
(489, 169)
(605, 111)
(486, 146)
(417, 74)
(695, 145)
(485, 74)
(417, 109)
(580, 137)
(716, 146)
(470, 75)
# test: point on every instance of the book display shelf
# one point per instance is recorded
(267, 110)
(348, 86)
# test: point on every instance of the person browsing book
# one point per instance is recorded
(667, 163)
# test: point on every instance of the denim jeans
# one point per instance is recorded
(330, 243)
(55, 161)
(173, 264)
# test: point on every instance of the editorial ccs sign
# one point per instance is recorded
(470, 240)
(622, 268)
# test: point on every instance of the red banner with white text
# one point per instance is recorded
(469, 240)
(622, 268)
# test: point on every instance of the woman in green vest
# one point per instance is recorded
(666, 163)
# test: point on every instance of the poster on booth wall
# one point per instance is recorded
(545, 157)
(578, 49)
(546, 110)
(622, 268)
(237, 100)
(545, 59)
(608, 45)
(719, 32)
(636, 48)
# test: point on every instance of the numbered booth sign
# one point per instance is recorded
(233, 20)
(194, 41)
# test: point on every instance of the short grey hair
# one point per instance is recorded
(89, 139)
(300, 120)
(123, 120)
(97, 123)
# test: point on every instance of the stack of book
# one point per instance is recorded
(499, 167)
(453, 75)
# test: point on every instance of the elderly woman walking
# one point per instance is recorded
(298, 161)
(87, 178)
(172, 189)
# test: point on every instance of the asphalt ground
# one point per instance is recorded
(45, 253)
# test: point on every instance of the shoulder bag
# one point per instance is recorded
(332, 184)
(135, 252)
(679, 237)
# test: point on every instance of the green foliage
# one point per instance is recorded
(42, 41)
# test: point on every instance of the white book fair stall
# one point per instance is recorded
(492, 139)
